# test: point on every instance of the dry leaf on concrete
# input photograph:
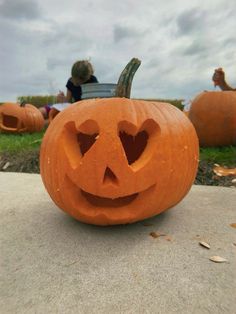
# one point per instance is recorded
(218, 259)
(147, 224)
(204, 244)
(233, 225)
(156, 235)
(153, 234)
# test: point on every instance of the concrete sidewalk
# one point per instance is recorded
(51, 263)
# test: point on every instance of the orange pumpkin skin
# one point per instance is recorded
(15, 118)
(186, 113)
(52, 114)
(213, 115)
(95, 170)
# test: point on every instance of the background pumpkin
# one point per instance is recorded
(19, 118)
(213, 115)
(116, 160)
(52, 114)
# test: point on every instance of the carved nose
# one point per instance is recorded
(109, 176)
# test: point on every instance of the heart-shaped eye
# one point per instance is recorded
(87, 136)
(135, 141)
(86, 141)
(78, 140)
(133, 145)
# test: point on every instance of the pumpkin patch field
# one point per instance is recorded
(20, 153)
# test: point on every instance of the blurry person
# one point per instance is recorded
(219, 80)
(81, 73)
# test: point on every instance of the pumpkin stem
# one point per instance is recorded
(22, 103)
(125, 80)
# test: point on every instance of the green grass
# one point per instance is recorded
(42, 100)
(220, 155)
(38, 101)
(175, 102)
(13, 143)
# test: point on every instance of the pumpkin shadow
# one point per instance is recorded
(104, 243)
(122, 231)
(155, 220)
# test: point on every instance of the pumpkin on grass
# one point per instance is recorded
(213, 115)
(19, 118)
(115, 160)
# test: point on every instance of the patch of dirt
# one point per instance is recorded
(206, 176)
(21, 162)
(29, 162)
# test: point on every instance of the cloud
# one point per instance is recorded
(126, 32)
(20, 9)
(197, 47)
(53, 62)
(179, 43)
(190, 21)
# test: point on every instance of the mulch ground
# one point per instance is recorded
(20, 162)
(29, 162)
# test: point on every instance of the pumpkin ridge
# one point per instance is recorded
(188, 165)
(164, 116)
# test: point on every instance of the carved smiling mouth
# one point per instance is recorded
(103, 202)
(108, 202)
(11, 123)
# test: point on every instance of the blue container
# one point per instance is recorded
(98, 90)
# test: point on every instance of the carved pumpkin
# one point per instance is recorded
(213, 115)
(19, 118)
(116, 160)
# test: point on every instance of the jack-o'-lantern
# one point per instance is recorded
(116, 160)
(19, 118)
(213, 115)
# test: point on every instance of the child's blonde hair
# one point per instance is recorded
(82, 70)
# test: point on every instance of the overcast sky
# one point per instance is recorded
(180, 43)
